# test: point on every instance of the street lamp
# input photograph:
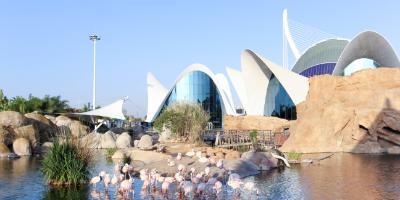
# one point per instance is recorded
(94, 38)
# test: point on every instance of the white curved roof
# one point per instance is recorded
(255, 76)
(219, 81)
(113, 111)
(156, 93)
(370, 45)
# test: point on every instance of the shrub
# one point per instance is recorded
(184, 120)
(66, 163)
(253, 138)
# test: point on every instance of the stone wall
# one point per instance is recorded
(255, 123)
(358, 113)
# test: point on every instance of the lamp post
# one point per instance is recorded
(94, 38)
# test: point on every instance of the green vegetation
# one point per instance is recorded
(110, 152)
(293, 156)
(48, 104)
(184, 120)
(66, 163)
(253, 137)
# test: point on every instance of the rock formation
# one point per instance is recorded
(22, 147)
(274, 124)
(123, 141)
(358, 113)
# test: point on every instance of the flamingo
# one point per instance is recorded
(171, 163)
(95, 180)
(190, 153)
(179, 156)
(181, 167)
(188, 187)
(165, 185)
(203, 159)
(126, 186)
(250, 186)
(114, 180)
(219, 164)
(217, 187)
(207, 171)
(117, 168)
(198, 154)
(107, 180)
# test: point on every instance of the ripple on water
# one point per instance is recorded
(344, 176)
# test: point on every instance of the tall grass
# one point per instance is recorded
(66, 163)
(184, 119)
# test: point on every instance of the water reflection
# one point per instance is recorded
(343, 176)
(66, 193)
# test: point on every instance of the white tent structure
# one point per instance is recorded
(113, 111)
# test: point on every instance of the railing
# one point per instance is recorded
(238, 138)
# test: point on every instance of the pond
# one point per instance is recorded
(343, 176)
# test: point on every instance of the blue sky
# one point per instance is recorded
(45, 49)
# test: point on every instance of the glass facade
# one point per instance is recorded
(198, 87)
(278, 101)
(359, 64)
(324, 68)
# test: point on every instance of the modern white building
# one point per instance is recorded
(196, 84)
(265, 88)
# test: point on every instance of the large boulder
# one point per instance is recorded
(63, 121)
(123, 141)
(46, 128)
(6, 135)
(252, 122)
(22, 147)
(264, 160)
(145, 142)
(12, 119)
(107, 140)
(148, 156)
(242, 167)
(349, 114)
(30, 133)
(4, 150)
(92, 140)
(78, 129)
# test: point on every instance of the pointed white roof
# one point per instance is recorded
(113, 111)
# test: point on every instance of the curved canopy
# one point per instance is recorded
(113, 111)
(370, 45)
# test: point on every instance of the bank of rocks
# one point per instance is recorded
(358, 113)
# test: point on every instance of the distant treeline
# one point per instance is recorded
(47, 104)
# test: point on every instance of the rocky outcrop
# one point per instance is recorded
(6, 135)
(146, 142)
(254, 123)
(242, 167)
(123, 141)
(78, 129)
(63, 121)
(263, 160)
(148, 156)
(12, 119)
(100, 141)
(4, 150)
(30, 133)
(358, 113)
(22, 147)
(46, 128)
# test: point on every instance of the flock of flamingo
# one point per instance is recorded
(185, 184)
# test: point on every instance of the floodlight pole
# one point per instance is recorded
(94, 38)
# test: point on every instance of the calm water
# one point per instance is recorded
(343, 176)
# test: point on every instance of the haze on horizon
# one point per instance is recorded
(45, 46)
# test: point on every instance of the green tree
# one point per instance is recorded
(54, 104)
